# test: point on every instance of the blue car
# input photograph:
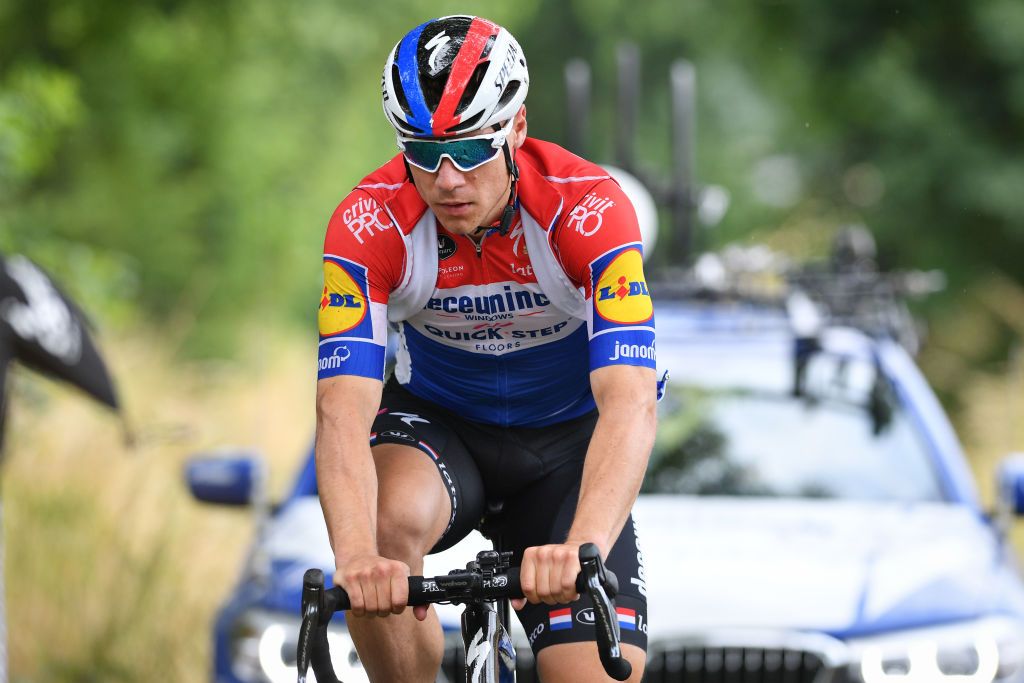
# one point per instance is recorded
(808, 515)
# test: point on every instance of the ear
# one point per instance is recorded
(519, 128)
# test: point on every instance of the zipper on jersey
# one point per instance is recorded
(479, 246)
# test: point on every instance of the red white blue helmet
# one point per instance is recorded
(453, 75)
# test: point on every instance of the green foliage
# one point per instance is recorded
(191, 151)
(178, 160)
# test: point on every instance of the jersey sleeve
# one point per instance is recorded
(601, 250)
(363, 259)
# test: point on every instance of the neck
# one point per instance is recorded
(499, 208)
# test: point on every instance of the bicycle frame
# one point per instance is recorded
(490, 653)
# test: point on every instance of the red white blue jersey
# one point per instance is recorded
(489, 341)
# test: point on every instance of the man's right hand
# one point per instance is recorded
(375, 585)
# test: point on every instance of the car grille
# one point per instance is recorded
(695, 664)
(690, 664)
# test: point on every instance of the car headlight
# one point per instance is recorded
(984, 651)
(263, 648)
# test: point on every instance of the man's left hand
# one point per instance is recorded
(548, 574)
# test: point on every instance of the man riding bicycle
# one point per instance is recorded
(525, 376)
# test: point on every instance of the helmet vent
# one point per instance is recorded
(405, 126)
(487, 48)
(472, 87)
(510, 92)
(468, 124)
(396, 80)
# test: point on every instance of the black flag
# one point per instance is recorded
(43, 329)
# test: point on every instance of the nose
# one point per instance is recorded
(449, 177)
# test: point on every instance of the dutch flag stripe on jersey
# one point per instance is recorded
(560, 619)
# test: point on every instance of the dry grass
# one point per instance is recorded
(113, 572)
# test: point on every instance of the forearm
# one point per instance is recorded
(613, 472)
(346, 476)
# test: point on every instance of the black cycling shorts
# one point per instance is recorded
(535, 474)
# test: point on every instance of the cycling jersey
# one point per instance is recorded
(505, 331)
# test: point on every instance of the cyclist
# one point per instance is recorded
(525, 372)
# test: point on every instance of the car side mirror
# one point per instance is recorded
(1010, 484)
(227, 477)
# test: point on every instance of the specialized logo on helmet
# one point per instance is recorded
(436, 46)
(620, 291)
(344, 301)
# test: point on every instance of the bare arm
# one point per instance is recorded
(626, 399)
(617, 458)
(347, 483)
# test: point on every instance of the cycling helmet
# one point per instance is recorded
(452, 75)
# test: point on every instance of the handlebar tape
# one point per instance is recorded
(425, 590)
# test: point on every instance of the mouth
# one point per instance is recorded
(455, 208)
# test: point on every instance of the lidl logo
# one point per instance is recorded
(620, 292)
(343, 302)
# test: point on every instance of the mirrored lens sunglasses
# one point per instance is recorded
(466, 153)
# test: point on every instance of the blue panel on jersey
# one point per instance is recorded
(350, 357)
(530, 388)
(623, 347)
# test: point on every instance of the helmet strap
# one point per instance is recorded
(513, 192)
(509, 212)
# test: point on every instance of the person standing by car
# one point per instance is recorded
(525, 374)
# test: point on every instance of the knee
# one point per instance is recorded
(408, 526)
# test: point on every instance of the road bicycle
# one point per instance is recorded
(484, 587)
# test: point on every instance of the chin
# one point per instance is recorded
(459, 226)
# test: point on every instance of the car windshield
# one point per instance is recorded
(843, 434)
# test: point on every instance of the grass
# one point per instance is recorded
(113, 572)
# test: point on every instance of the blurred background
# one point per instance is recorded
(173, 164)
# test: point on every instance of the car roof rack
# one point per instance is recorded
(848, 290)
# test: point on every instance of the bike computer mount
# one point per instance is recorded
(489, 571)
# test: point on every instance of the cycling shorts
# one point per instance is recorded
(535, 474)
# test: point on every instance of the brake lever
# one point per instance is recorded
(318, 606)
(602, 586)
(312, 600)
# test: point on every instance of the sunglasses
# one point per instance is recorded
(465, 153)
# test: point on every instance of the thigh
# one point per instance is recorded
(417, 426)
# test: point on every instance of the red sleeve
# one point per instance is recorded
(363, 259)
(601, 250)
(600, 222)
(362, 231)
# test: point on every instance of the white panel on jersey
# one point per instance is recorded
(493, 319)
(420, 270)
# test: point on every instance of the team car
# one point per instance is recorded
(808, 513)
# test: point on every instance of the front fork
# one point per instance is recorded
(490, 655)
